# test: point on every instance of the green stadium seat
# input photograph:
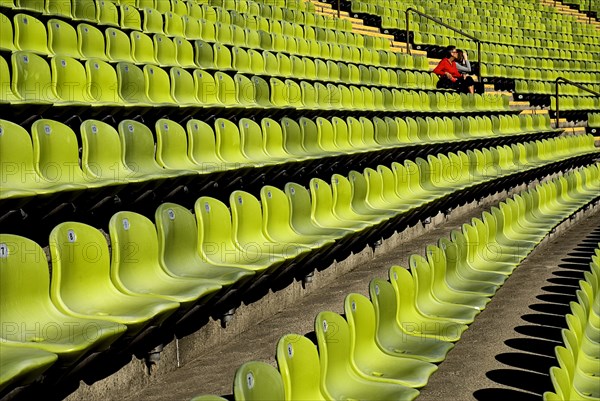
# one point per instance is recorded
(397, 334)
(298, 362)
(59, 8)
(26, 298)
(107, 13)
(102, 83)
(62, 39)
(340, 379)
(69, 81)
(84, 10)
(178, 249)
(30, 34)
(257, 381)
(93, 294)
(152, 21)
(130, 17)
(118, 45)
(158, 86)
(6, 39)
(368, 358)
(142, 48)
(91, 42)
(144, 274)
(131, 85)
(20, 366)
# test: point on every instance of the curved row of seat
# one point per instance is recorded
(386, 347)
(565, 63)
(87, 41)
(51, 162)
(576, 103)
(98, 84)
(498, 70)
(165, 271)
(594, 120)
(548, 88)
(577, 376)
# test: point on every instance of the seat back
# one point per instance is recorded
(102, 82)
(215, 232)
(228, 141)
(62, 39)
(257, 381)
(31, 78)
(132, 87)
(16, 153)
(171, 145)
(30, 34)
(333, 339)
(137, 144)
(69, 81)
(202, 146)
(118, 45)
(298, 362)
(56, 153)
(90, 41)
(158, 85)
(101, 152)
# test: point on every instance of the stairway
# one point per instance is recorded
(358, 26)
(564, 9)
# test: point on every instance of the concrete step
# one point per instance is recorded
(534, 111)
(575, 130)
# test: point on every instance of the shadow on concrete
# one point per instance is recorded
(533, 382)
(488, 394)
(535, 363)
(551, 309)
(541, 332)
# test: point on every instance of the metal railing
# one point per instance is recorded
(437, 21)
(556, 94)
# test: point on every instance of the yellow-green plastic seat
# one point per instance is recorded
(340, 379)
(257, 381)
(61, 8)
(228, 143)
(202, 147)
(20, 366)
(19, 175)
(30, 34)
(84, 10)
(56, 155)
(69, 80)
(298, 362)
(323, 214)
(107, 13)
(184, 53)
(277, 221)
(82, 287)
(142, 48)
(208, 398)
(182, 88)
(152, 21)
(143, 273)
(131, 84)
(252, 141)
(31, 79)
(30, 5)
(396, 333)
(179, 253)
(448, 285)
(172, 147)
(101, 154)
(173, 24)
(164, 50)
(247, 223)
(216, 240)
(6, 39)
(62, 39)
(158, 86)
(428, 304)
(25, 302)
(138, 147)
(102, 83)
(118, 46)
(206, 88)
(130, 17)
(90, 41)
(409, 312)
(367, 357)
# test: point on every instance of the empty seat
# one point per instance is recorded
(21, 366)
(257, 381)
(26, 303)
(30, 34)
(93, 294)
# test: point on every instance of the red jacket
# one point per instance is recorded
(447, 66)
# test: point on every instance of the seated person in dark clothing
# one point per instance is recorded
(450, 77)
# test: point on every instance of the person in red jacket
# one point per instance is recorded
(449, 75)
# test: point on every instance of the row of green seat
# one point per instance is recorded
(87, 41)
(67, 82)
(540, 63)
(577, 376)
(111, 157)
(548, 88)
(576, 103)
(529, 38)
(496, 70)
(594, 120)
(384, 348)
(178, 266)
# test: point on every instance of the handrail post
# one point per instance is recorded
(339, 8)
(556, 115)
(408, 31)
(479, 61)
(590, 12)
